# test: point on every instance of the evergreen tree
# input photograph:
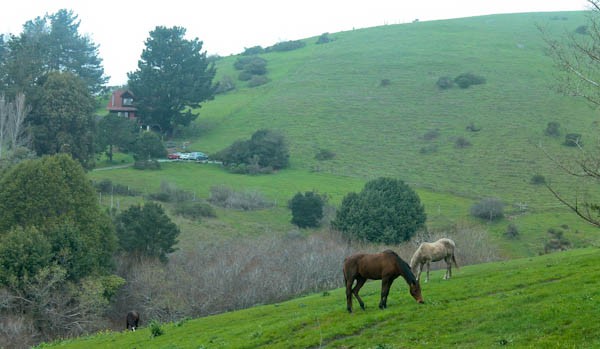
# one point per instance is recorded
(172, 79)
(148, 146)
(63, 119)
(307, 209)
(147, 231)
(115, 131)
(385, 211)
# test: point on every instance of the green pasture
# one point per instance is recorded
(551, 301)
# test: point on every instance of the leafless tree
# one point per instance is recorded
(577, 55)
(12, 123)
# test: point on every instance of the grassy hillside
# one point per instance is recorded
(330, 97)
(550, 301)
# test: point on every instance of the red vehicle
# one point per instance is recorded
(174, 156)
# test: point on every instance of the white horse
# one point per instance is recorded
(432, 252)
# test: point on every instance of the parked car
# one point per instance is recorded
(198, 156)
(185, 156)
(174, 156)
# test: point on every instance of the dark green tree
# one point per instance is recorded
(63, 120)
(53, 195)
(307, 209)
(148, 146)
(147, 231)
(385, 211)
(116, 131)
(47, 44)
(265, 149)
(172, 79)
(23, 253)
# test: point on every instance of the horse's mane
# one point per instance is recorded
(408, 274)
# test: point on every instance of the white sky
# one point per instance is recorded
(226, 27)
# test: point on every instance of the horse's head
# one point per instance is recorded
(415, 291)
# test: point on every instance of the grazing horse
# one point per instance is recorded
(133, 319)
(432, 252)
(385, 266)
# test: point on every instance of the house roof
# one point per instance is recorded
(115, 103)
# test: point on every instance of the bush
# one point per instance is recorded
(444, 83)
(386, 211)
(194, 210)
(323, 39)
(556, 241)
(538, 179)
(286, 46)
(149, 146)
(106, 186)
(146, 165)
(225, 85)
(170, 193)
(254, 50)
(307, 209)
(552, 129)
(225, 197)
(266, 151)
(429, 149)
(472, 128)
(488, 208)
(573, 140)
(324, 154)
(582, 29)
(467, 79)
(431, 134)
(385, 82)
(245, 76)
(462, 142)
(257, 80)
(512, 232)
(155, 329)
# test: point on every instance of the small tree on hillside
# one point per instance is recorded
(307, 209)
(385, 211)
(147, 231)
(148, 146)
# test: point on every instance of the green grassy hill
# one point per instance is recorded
(552, 301)
(330, 97)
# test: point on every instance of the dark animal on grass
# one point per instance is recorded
(432, 252)
(133, 320)
(385, 266)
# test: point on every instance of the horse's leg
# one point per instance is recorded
(427, 277)
(420, 269)
(386, 284)
(349, 283)
(359, 283)
(448, 268)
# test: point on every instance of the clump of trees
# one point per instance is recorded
(324, 39)
(488, 208)
(253, 69)
(386, 211)
(265, 152)
(307, 209)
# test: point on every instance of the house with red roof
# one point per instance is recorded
(121, 103)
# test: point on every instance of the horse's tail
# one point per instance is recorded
(454, 260)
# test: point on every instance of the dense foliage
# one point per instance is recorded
(148, 146)
(50, 203)
(386, 211)
(265, 151)
(147, 231)
(307, 209)
(115, 131)
(172, 79)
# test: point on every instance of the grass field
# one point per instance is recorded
(551, 301)
(330, 97)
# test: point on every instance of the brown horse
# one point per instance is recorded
(385, 266)
(432, 252)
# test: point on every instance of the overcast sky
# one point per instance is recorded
(228, 26)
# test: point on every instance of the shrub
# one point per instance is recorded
(106, 186)
(472, 128)
(323, 39)
(170, 193)
(146, 165)
(462, 142)
(256, 66)
(195, 209)
(245, 76)
(257, 80)
(512, 232)
(573, 140)
(286, 46)
(324, 154)
(552, 129)
(254, 50)
(556, 241)
(582, 29)
(431, 134)
(149, 146)
(386, 211)
(225, 85)
(265, 151)
(429, 149)
(467, 79)
(155, 329)
(226, 197)
(538, 179)
(385, 82)
(488, 208)
(307, 209)
(444, 83)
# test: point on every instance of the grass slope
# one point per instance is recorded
(547, 301)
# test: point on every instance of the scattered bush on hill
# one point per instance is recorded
(253, 69)
(462, 142)
(512, 231)
(169, 192)
(307, 209)
(254, 50)
(582, 29)
(385, 82)
(386, 211)
(573, 140)
(488, 208)
(286, 46)
(552, 129)
(431, 134)
(323, 39)
(195, 210)
(266, 151)
(324, 154)
(472, 128)
(556, 241)
(444, 83)
(428, 149)
(225, 85)
(223, 196)
(257, 80)
(465, 80)
(537, 179)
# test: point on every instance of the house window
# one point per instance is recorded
(123, 114)
(127, 101)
